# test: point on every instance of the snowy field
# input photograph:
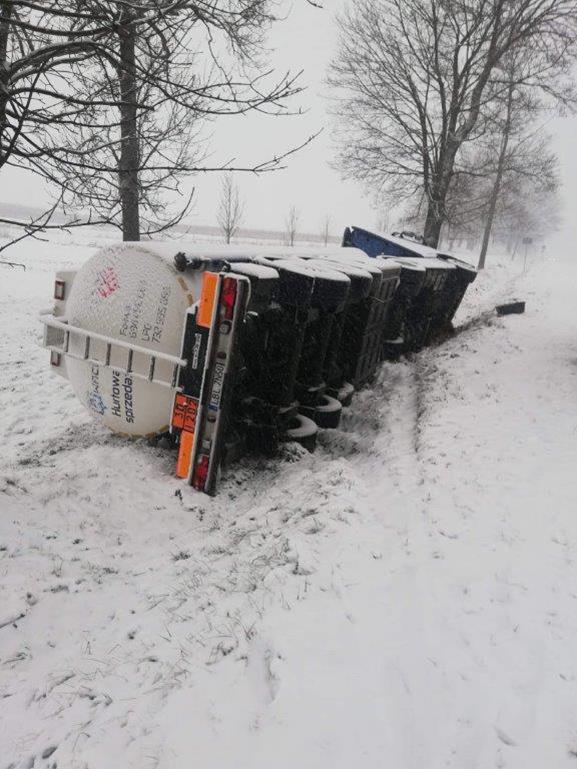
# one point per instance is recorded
(405, 598)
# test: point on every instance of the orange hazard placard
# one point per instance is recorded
(207, 299)
(184, 412)
(184, 454)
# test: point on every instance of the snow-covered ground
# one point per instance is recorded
(405, 598)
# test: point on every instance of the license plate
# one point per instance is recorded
(217, 384)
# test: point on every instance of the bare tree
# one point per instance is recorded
(513, 158)
(523, 157)
(36, 104)
(170, 66)
(291, 225)
(326, 230)
(500, 170)
(501, 188)
(106, 98)
(45, 104)
(230, 208)
(413, 79)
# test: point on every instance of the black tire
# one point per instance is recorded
(328, 412)
(302, 430)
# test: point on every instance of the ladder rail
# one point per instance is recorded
(171, 384)
(151, 355)
(51, 320)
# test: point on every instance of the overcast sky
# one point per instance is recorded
(306, 40)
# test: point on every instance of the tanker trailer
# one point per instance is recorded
(148, 349)
(153, 341)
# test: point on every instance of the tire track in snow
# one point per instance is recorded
(391, 474)
(394, 469)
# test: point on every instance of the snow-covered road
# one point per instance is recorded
(404, 598)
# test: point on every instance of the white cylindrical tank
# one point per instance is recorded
(130, 292)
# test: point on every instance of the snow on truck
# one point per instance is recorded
(235, 349)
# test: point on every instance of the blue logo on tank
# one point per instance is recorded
(96, 403)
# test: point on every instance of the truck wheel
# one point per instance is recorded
(302, 430)
(328, 412)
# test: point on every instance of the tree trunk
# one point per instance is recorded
(497, 183)
(129, 149)
(439, 190)
(5, 15)
(433, 225)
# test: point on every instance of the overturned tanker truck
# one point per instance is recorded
(236, 349)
